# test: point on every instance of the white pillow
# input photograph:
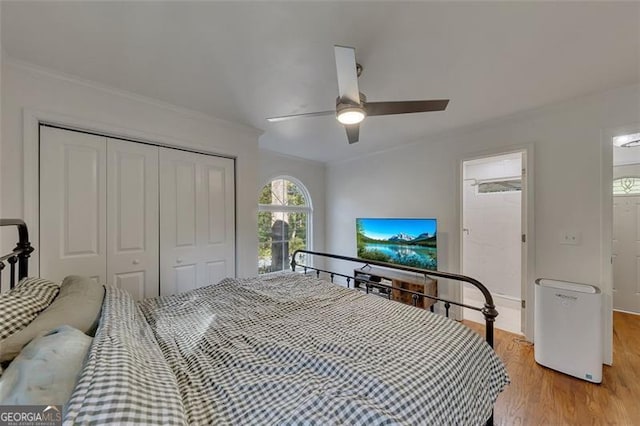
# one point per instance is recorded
(47, 369)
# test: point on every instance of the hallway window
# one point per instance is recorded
(507, 185)
(626, 186)
(284, 223)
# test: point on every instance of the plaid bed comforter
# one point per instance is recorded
(284, 349)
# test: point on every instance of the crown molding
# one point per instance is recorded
(293, 157)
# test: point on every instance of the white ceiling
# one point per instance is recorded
(246, 61)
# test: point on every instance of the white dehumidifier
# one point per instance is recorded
(568, 328)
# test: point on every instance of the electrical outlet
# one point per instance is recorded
(570, 238)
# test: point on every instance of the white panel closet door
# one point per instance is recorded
(197, 239)
(132, 218)
(73, 190)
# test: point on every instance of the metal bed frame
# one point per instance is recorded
(23, 250)
(488, 310)
(19, 255)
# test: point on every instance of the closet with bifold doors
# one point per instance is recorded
(149, 219)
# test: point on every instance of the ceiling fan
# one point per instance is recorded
(352, 106)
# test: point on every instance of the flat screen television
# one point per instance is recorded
(409, 242)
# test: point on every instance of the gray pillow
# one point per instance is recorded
(78, 305)
(47, 370)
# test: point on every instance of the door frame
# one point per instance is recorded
(527, 208)
(606, 230)
(613, 296)
(31, 121)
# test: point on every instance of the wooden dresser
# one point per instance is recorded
(398, 279)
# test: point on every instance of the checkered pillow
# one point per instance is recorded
(22, 304)
(38, 287)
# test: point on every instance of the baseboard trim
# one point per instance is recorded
(627, 312)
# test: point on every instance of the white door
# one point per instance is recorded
(626, 253)
(133, 218)
(197, 238)
(493, 190)
(73, 189)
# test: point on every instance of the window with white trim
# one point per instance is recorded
(284, 223)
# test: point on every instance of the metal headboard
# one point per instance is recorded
(19, 255)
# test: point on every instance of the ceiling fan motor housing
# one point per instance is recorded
(347, 103)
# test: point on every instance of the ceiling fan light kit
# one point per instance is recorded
(352, 106)
(351, 115)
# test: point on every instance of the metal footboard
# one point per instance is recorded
(488, 310)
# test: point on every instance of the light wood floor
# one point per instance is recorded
(540, 396)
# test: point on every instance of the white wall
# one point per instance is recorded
(312, 176)
(423, 180)
(27, 89)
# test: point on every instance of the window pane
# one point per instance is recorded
(265, 220)
(265, 194)
(278, 193)
(279, 256)
(294, 195)
(297, 224)
(279, 230)
(500, 186)
(264, 258)
(273, 193)
(281, 192)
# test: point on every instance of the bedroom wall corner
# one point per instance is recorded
(311, 174)
(27, 89)
(421, 180)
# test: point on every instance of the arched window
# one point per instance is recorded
(284, 223)
(626, 186)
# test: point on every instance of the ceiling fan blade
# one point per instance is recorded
(308, 114)
(353, 132)
(405, 107)
(347, 74)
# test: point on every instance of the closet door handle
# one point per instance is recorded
(136, 261)
(178, 260)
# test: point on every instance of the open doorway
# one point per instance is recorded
(626, 223)
(493, 212)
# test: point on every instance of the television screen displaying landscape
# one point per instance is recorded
(409, 242)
